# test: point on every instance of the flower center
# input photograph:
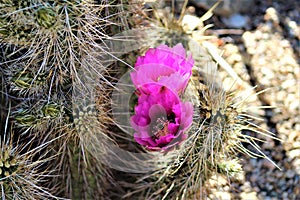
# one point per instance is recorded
(161, 127)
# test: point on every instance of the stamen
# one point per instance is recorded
(161, 127)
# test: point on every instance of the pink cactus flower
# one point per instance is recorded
(163, 65)
(160, 119)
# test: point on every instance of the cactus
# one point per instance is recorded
(21, 175)
(25, 162)
(59, 69)
(47, 46)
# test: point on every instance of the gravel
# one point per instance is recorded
(265, 54)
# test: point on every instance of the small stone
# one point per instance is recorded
(266, 36)
(249, 39)
(235, 58)
(248, 196)
(269, 144)
(294, 105)
(223, 195)
(297, 190)
(231, 49)
(281, 182)
(227, 7)
(190, 22)
(293, 153)
(271, 14)
(267, 198)
(277, 156)
(217, 180)
(285, 43)
(246, 187)
(288, 83)
(294, 30)
(297, 127)
(293, 135)
(191, 9)
(296, 144)
(236, 21)
(267, 164)
(290, 173)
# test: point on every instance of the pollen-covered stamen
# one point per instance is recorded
(161, 127)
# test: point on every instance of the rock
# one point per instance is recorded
(223, 195)
(250, 42)
(290, 173)
(297, 128)
(271, 14)
(236, 21)
(285, 195)
(294, 29)
(226, 7)
(267, 164)
(190, 22)
(297, 190)
(294, 153)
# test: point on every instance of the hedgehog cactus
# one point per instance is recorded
(45, 47)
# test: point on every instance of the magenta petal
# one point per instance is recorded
(187, 115)
(145, 76)
(164, 140)
(157, 111)
(173, 128)
(162, 62)
(175, 82)
(179, 50)
(144, 140)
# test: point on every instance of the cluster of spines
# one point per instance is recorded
(25, 165)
